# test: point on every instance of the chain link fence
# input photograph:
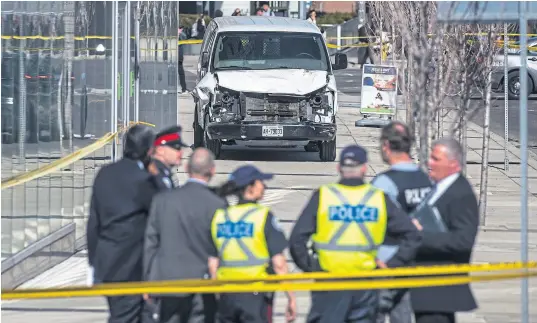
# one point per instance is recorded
(69, 77)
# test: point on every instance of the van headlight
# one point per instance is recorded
(322, 106)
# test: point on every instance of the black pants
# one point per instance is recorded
(182, 78)
(195, 308)
(343, 307)
(243, 308)
(431, 317)
(128, 309)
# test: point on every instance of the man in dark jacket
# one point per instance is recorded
(406, 184)
(122, 193)
(181, 57)
(178, 240)
(453, 197)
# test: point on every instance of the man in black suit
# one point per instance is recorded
(456, 203)
(122, 193)
(178, 240)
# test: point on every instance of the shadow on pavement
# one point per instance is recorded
(269, 154)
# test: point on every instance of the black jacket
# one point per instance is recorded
(399, 224)
(459, 210)
(122, 193)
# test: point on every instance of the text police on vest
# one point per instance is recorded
(235, 230)
(357, 213)
(416, 195)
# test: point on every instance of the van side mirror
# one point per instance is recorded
(341, 62)
(204, 60)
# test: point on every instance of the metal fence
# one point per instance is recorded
(69, 76)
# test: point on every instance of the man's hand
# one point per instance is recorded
(417, 224)
(381, 264)
(290, 313)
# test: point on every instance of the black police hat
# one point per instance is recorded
(170, 137)
(353, 155)
(245, 175)
(137, 141)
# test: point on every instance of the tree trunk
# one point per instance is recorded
(483, 186)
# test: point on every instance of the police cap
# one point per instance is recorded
(353, 155)
(170, 137)
(137, 141)
(245, 175)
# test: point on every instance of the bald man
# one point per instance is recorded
(178, 241)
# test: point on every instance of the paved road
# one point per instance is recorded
(349, 80)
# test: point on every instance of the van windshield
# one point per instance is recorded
(270, 50)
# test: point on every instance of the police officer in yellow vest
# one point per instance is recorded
(247, 239)
(347, 222)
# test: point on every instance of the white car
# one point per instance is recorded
(266, 81)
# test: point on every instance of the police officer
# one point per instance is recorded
(247, 237)
(121, 197)
(347, 222)
(165, 154)
(406, 184)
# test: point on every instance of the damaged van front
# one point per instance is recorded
(267, 88)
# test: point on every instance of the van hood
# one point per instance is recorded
(276, 81)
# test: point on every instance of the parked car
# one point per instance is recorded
(513, 67)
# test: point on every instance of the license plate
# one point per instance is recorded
(272, 131)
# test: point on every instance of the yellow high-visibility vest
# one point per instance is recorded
(239, 235)
(351, 225)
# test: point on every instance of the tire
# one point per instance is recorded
(327, 150)
(198, 132)
(513, 78)
(214, 145)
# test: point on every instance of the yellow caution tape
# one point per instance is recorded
(62, 162)
(390, 272)
(58, 164)
(198, 41)
(179, 42)
(158, 288)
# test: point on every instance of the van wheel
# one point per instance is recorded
(214, 145)
(327, 150)
(198, 132)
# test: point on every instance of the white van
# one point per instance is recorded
(266, 81)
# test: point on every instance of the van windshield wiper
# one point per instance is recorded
(234, 67)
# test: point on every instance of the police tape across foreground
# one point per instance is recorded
(215, 286)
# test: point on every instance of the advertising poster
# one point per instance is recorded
(379, 90)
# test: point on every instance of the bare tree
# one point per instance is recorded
(487, 51)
